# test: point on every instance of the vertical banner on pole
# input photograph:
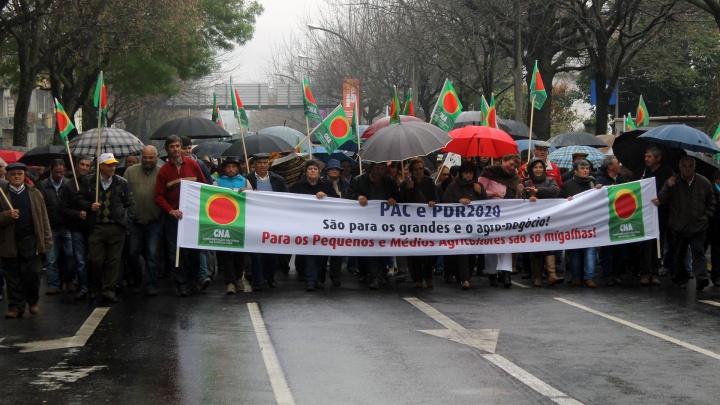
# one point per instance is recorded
(351, 97)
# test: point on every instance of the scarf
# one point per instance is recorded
(498, 175)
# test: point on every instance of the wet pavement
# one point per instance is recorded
(349, 345)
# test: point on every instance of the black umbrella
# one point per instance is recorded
(43, 155)
(213, 149)
(630, 149)
(192, 127)
(681, 136)
(577, 139)
(258, 143)
(704, 165)
(517, 130)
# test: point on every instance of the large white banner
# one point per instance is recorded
(220, 219)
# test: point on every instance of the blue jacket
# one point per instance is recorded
(234, 183)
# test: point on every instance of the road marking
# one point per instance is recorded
(79, 340)
(521, 285)
(272, 364)
(486, 340)
(643, 329)
(717, 304)
(56, 376)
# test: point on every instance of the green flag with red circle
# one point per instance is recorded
(447, 109)
(312, 112)
(64, 125)
(626, 214)
(334, 131)
(394, 107)
(221, 218)
(642, 116)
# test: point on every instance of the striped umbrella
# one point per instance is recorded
(563, 156)
(112, 140)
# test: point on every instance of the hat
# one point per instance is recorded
(2, 163)
(333, 164)
(261, 156)
(542, 145)
(15, 166)
(578, 154)
(205, 159)
(229, 160)
(107, 159)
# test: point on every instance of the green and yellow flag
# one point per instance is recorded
(447, 108)
(629, 124)
(216, 111)
(408, 107)
(100, 99)
(394, 108)
(642, 116)
(538, 95)
(64, 125)
(238, 107)
(334, 130)
(312, 112)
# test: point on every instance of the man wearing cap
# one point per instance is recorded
(263, 264)
(111, 212)
(24, 235)
(167, 197)
(232, 263)
(541, 151)
(145, 228)
(50, 189)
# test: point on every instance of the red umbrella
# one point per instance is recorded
(472, 141)
(384, 122)
(10, 156)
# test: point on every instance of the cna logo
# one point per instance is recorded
(222, 218)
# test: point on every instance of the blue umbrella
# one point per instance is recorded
(523, 146)
(563, 156)
(321, 154)
(681, 136)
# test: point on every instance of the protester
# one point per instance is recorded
(419, 188)
(712, 235)
(540, 186)
(542, 151)
(374, 184)
(583, 259)
(333, 172)
(232, 262)
(74, 210)
(612, 257)
(145, 228)
(263, 264)
(464, 190)
(24, 235)
(501, 182)
(576, 156)
(167, 197)
(691, 205)
(312, 184)
(113, 205)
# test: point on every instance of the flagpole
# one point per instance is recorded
(72, 164)
(97, 158)
(532, 114)
(242, 137)
(438, 100)
(307, 125)
(7, 200)
(357, 131)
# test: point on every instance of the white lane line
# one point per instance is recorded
(280, 387)
(506, 365)
(79, 340)
(643, 329)
(717, 304)
(521, 285)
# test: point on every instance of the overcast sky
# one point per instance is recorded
(278, 21)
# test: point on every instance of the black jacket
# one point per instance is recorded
(71, 204)
(122, 205)
(361, 185)
(422, 192)
(604, 178)
(576, 185)
(276, 182)
(52, 202)
(690, 206)
(463, 189)
(303, 187)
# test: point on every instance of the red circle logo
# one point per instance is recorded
(450, 102)
(339, 128)
(221, 209)
(308, 95)
(625, 204)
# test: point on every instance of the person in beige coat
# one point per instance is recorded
(24, 235)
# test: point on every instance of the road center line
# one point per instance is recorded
(506, 365)
(272, 364)
(717, 304)
(643, 329)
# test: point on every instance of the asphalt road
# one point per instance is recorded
(349, 345)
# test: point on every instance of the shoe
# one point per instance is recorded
(609, 282)
(554, 279)
(716, 283)
(35, 309)
(230, 289)
(352, 270)
(576, 283)
(309, 287)
(537, 282)
(663, 272)
(507, 281)
(70, 287)
(590, 284)
(239, 286)
(681, 286)
(12, 314)
(618, 280)
(429, 283)
(655, 280)
(182, 291)
(80, 295)
(273, 284)
(151, 293)
(699, 285)
(375, 284)
(204, 284)
(362, 279)
(438, 272)
(493, 279)
(109, 300)
(336, 282)
(644, 281)
(417, 284)
(526, 276)
(93, 296)
(690, 276)
(465, 285)
(400, 279)
(257, 287)
(52, 291)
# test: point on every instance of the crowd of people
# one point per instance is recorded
(98, 233)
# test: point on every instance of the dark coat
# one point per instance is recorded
(122, 205)
(304, 187)
(463, 189)
(423, 191)
(690, 206)
(576, 185)
(713, 231)
(604, 178)
(52, 202)
(41, 223)
(362, 186)
(276, 182)
(71, 204)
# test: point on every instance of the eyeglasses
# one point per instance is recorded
(16, 173)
